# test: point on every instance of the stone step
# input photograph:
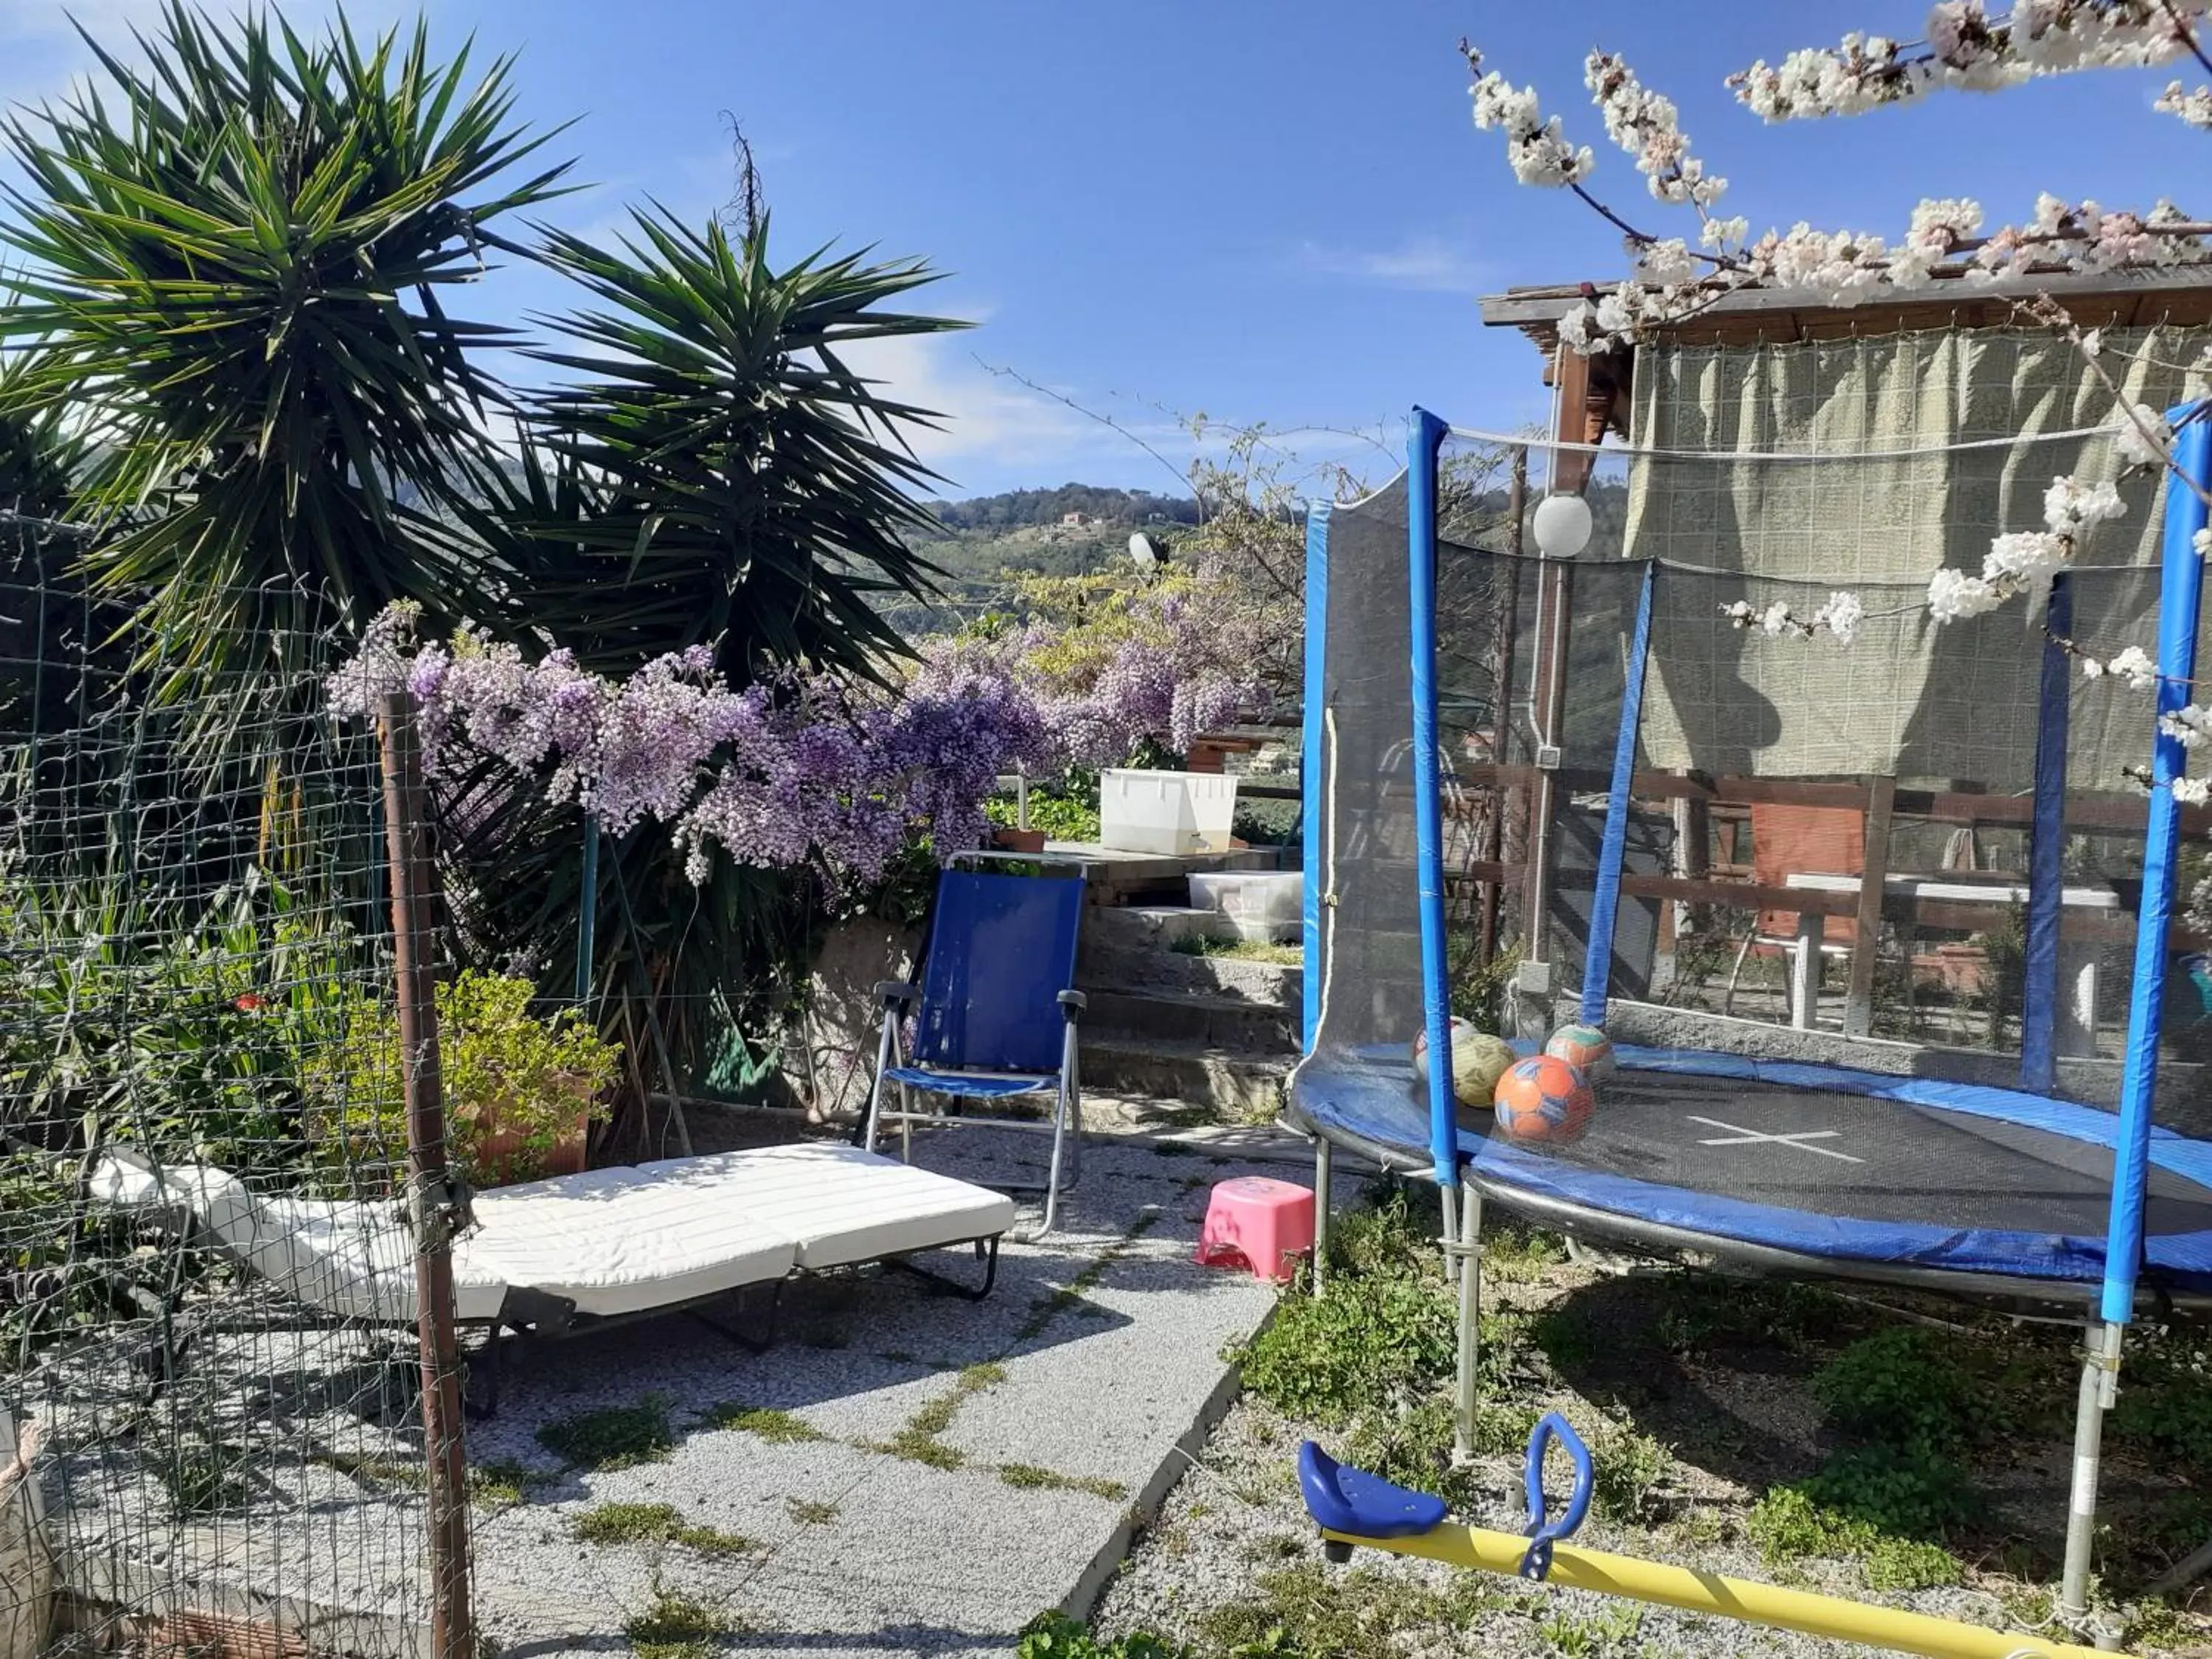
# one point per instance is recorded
(1126, 968)
(1150, 926)
(1267, 1031)
(1235, 1083)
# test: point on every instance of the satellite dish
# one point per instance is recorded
(1145, 553)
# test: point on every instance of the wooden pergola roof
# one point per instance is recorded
(2177, 294)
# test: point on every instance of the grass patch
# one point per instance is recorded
(377, 1471)
(677, 1627)
(653, 1524)
(614, 1437)
(1787, 1524)
(1055, 1636)
(916, 1447)
(1030, 1477)
(811, 1512)
(1046, 1308)
(1365, 1613)
(781, 1427)
(504, 1480)
(1240, 950)
(2166, 1406)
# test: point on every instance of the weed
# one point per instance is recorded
(1629, 1466)
(1788, 1524)
(1583, 1636)
(2167, 1406)
(614, 1437)
(1515, 1255)
(1413, 1448)
(653, 1524)
(503, 1480)
(1702, 1311)
(1365, 1613)
(987, 1375)
(1276, 1547)
(1055, 1636)
(1376, 1335)
(676, 1627)
(375, 1471)
(1903, 1386)
(1568, 1339)
(781, 1427)
(811, 1512)
(203, 1480)
(1028, 1475)
(1913, 1491)
(1173, 1149)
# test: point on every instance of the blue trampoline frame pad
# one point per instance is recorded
(1367, 1101)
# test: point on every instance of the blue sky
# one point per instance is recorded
(1268, 211)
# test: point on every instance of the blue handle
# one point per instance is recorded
(1543, 1534)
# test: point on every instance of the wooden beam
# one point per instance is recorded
(1866, 947)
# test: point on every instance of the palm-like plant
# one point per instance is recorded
(232, 281)
(756, 488)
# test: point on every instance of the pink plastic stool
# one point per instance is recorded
(1253, 1222)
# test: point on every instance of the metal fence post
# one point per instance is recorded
(437, 1206)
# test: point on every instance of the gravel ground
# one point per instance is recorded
(1232, 1552)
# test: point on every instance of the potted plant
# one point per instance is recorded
(521, 1092)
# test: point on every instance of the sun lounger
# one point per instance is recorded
(550, 1258)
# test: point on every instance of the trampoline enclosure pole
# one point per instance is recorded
(1422, 448)
(1470, 1318)
(2100, 1376)
(2179, 590)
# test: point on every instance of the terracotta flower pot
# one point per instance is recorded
(1019, 841)
(504, 1156)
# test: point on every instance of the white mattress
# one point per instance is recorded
(838, 1205)
(610, 1240)
(619, 1241)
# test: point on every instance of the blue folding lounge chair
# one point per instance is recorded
(997, 1012)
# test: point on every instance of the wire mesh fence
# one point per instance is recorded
(209, 1359)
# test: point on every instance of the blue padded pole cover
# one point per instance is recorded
(1597, 960)
(1422, 447)
(1314, 782)
(2047, 853)
(2179, 592)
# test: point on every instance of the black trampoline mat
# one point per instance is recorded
(1849, 1156)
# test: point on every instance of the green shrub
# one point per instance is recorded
(1627, 1466)
(2165, 1405)
(1787, 1524)
(1374, 1338)
(516, 1085)
(1901, 1387)
(1061, 817)
(1913, 1491)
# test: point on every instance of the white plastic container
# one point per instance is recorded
(1170, 812)
(1262, 904)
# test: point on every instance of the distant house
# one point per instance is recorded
(1074, 520)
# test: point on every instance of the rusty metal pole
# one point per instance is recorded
(435, 1207)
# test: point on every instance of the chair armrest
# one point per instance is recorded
(1072, 1004)
(896, 993)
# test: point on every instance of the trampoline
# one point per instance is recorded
(1815, 1170)
(1761, 1165)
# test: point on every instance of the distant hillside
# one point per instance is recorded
(1019, 509)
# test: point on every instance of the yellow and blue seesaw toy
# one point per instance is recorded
(1352, 1507)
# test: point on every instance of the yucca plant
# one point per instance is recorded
(233, 260)
(756, 489)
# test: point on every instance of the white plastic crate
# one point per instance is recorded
(1263, 904)
(1165, 811)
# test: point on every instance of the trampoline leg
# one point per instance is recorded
(1470, 1317)
(2100, 1378)
(1449, 1244)
(1322, 1162)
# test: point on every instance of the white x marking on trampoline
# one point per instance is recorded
(1739, 1136)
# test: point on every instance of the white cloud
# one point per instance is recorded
(1426, 265)
(993, 421)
